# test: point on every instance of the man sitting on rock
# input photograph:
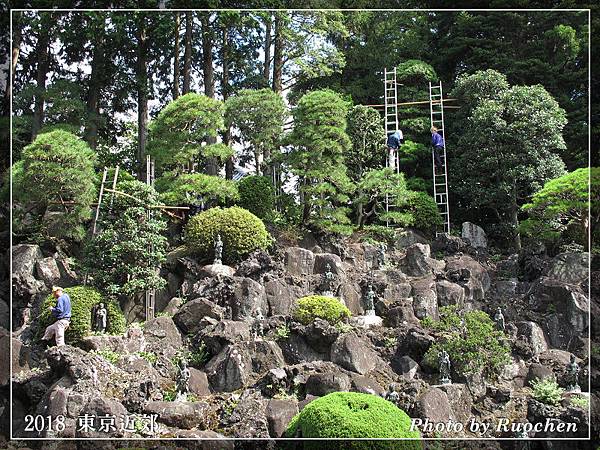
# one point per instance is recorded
(62, 313)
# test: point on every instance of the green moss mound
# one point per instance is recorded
(329, 308)
(241, 231)
(83, 299)
(257, 196)
(353, 415)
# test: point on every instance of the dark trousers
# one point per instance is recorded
(437, 150)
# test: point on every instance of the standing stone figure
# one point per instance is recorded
(499, 319)
(444, 361)
(183, 381)
(573, 370)
(218, 251)
(328, 282)
(257, 327)
(392, 395)
(369, 303)
(381, 255)
(100, 318)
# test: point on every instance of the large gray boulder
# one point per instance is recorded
(449, 293)
(298, 261)
(249, 298)
(464, 270)
(162, 336)
(218, 335)
(474, 235)
(320, 384)
(570, 268)
(322, 260)
(418, 262)
(281, 296)
(406, 238)
(230, 370)
(533, 335)
(199, 383)
(24, 259)
(47, 270)
(100, 406)
(189, 315)
(279, 413)
(185, 415)
(352, 353)
(424, 296)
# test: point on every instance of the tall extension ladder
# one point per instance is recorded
(391, 123)
(150, 294)
(440, 175)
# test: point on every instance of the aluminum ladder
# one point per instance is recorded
(440, 175)
(150, 294)
(101, 194)
(391, 124)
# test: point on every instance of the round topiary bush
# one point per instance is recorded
(257, 195)
(329, 308)
(83, 299)
(241, 232)
(353, 415)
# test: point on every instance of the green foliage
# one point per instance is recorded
(109, 355)
(368, 139)
(342, 327)
(257, 196)
(176, 135)
(309, 308)
(479, 348)
(375, 234)
(148, 356)
(83, 299)
(259, 115)
(241, 231)
(319, 142)
(580, 401)
(390, 342)
(282, 332)
(170, 393)
(354, 415)
(195, 189)
(219, 151)
(562, 204)
(57, 166)
(425, 214)
(547, 391)
(199, 356)
(124, 256)
(418, 184)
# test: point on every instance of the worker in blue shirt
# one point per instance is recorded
(394, 141)
(437, 142)
(62, 314)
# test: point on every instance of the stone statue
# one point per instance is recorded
(573, 370)
(183, 381)
(100, 318)
(381, 255)
(328, 282)
(369, 303)
(218, 250)
(258, 329)
(499, 319)
(444, 361)
(392, 395)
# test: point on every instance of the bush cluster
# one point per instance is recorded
(83, 299)
(328, 308)
(547, 391)
(257, 196)
(353, 415)
(241, 232)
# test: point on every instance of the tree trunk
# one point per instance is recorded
(176, 58)
(92, 107)
(267, 64)
(16, 48)
(187, 56)
(278, 54)
(514, 218)
(209, 81)
(225, 93)
(142, 88)
(42, 51)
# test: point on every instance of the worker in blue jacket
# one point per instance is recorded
(394, 141)
(437, 142)
(62, 313)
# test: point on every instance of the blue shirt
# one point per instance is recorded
(394, 139)
(62, 310)
(437, 140)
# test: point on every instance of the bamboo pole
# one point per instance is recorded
(416, 103)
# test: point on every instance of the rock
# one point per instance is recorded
(281, 296)
(320, 384)
(533, 262)
(449, 293)
(223, 333)
(100, 406)
(320, 335)
(180, 414)
(199, 383)
(218, 270)
(397, 313)
(537, 372)
(21, 358)
(408, 237)
(173, 306)
(366, 321)
(418, 261)
(533, 335)
(296, 350)
(299, 261)
(366, 385)
(415, 344)
(24, 258)
(424, 298)
(255, 264)
(4, 315)
(434, 405)
(249, 298)
(405, 366)
(448, 244)
(555, 420)
(351, 353)
(189, 315)
(460, 401)
(474, 235)
(279, 414)
(570, 268)
(68, 277)
(230, 369)
(265, 355)
(249, 417)
(47, 271)
(162, 336)
(350, 295)
(205, 440)
(334, 261)
(506, 288)
(471, 275)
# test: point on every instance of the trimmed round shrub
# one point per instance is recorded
(83, 299)
(257, 195)
(426, 216)
(329, 308)
(353, 415)
(241, 231)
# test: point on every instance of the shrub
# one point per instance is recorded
(82, 300)
(257, 196)
(109, 355)
(580, 401)
(328, 308)
(148, 356)
(426, 216)
(353, 415)
(282, 332)
(547, 391)
(241, 231)
(479, 347)
(196, 189)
